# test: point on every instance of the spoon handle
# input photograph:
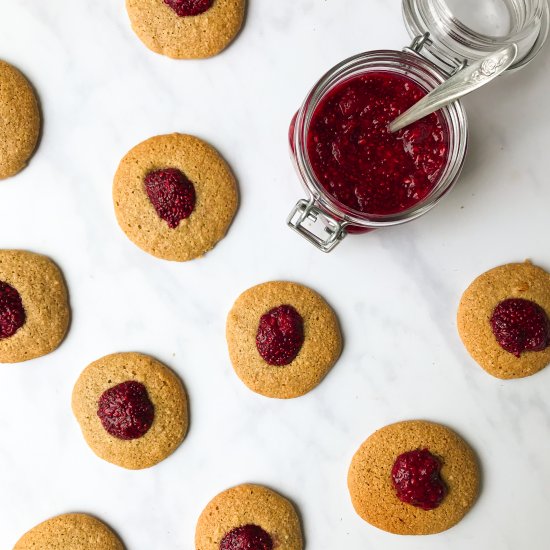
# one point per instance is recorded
(460, 84)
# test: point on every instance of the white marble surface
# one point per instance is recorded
(396, 291)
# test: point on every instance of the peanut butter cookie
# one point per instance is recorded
(503, 320)
(283, 339)
(186, 29)
(70, 532)
(19, 120)
(249, 516)
(414, 478)
(132, 409)
(34, 306)
(174, 197)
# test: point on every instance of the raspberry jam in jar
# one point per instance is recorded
(359, 162)
(357, 175)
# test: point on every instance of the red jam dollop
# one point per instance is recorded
(520, 325)
(417, 481)
(171, 194)
(187, 8)
(280, 335)
(247, 537)
(12, 313)
(356, 158)
(126, 411)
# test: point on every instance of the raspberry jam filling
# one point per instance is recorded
(247, 537)
(280, 335)
(12, 313)
(187, 8)
(417, 481)
(520, 325)
(126, 411)
(171, 194)
(356, 158)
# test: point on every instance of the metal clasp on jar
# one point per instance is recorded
(315, 225)
(448, 65)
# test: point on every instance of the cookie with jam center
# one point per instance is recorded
(70, 532)
(19, 120)
(174, 197)
(34, 306)
(503, 322)
(186, 29)
(283, 339)
(249, 516)
(132, 409)
(380, 475)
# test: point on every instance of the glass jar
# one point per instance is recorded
(524, 22)
(442, 46)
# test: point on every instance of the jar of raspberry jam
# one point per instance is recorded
(358, 175)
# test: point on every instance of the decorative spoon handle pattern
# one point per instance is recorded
(462, 83)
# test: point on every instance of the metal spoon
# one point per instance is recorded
(460, 84)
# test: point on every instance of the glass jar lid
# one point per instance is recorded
(468, 30)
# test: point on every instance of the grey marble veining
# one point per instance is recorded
(396, 291)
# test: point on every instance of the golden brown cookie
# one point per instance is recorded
(174, 196)
(522, 281)
(70, 532)
(371, 485)
(132, 409)
(248, 513)
(34, 306)
(280, 352)
(19, 120)
(164, 26)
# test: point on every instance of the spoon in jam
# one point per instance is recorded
(460, 84)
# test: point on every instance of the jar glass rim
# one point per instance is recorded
(421, 71)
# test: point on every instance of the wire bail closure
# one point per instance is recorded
(316, 226)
